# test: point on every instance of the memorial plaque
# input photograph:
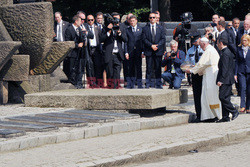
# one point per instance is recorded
(26, 126)
(50, 121)
(87, 118)
(7, 133)
(104, 114)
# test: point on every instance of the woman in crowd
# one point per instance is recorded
(242, 69)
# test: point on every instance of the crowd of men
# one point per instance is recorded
(102, 50)
(103, 45)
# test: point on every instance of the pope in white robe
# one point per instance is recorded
(208, 67)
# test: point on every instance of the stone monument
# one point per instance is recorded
(27, 48)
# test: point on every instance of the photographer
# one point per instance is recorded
(112, 37)
(173, 60)
(210, 35)
(182, 31)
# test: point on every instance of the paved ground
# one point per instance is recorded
(233, 154)
(76, 153)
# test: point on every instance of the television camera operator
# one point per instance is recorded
(183, 31)
(112, 37)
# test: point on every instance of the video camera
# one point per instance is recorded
(113, 20)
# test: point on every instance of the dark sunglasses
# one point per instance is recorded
(229, 25)
(82, 19)
(151, 17)
(90, 19)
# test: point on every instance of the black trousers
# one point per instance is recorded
(197, 88)
(225, 98)
(72, 67)
(153, 66)
(135, 69)
(97, 60)
(113, 69)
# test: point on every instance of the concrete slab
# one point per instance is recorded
(4, 35)
(50, 121)
(7, 133)
(106, 99)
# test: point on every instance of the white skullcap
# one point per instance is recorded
(204, 39)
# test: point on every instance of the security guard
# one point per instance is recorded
(193, 56)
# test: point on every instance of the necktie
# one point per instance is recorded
(99, 25)
(133, 28)
(59, 38)
(153, 34)
(91, 28)
(196, 55)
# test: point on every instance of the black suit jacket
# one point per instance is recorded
(71, 35)
(239, 35)
(226, 67)
(242, 64)
(232, 42)
(97, 31)
(134, 41)
(108, 45)
(65, 25)
(159, 39)
(231, 46)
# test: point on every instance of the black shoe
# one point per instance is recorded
(235, 115)
(197, 120)
(223, 120)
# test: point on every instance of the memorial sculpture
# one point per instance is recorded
(28, 55)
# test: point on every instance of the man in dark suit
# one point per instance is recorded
(242, 31)
(113, 36)
(173, 60)
(123, 27)
(60, 27)
(154, 41)
(133, 53)
(99, 20)
(72, 63)
(94, 50)
(233, 34)
(225, 79)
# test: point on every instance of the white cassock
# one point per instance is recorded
(208, 67)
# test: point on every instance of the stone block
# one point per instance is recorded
(46, 139)
(4, 92)
(40, 83)
(17, 90)
(104, 130)
(134, 126)
(63, 137)
(90, 132)
(104, 99)
(16, 69)
(32, 24)
(6, 2)
(148, 124)
(28, 143)
(4, 35)
(57, 53)
(120, 128)
(8, 48)
(10, 145)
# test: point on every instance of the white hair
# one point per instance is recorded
(173, 42)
